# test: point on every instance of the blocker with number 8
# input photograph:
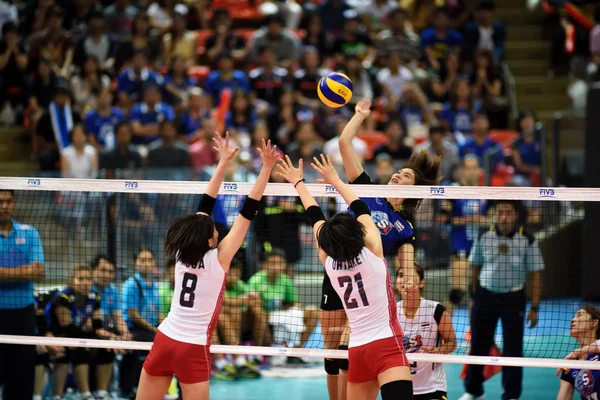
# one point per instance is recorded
(335, 89)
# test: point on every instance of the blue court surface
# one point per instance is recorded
(550, 339)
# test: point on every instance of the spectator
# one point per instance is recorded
(487, 88)
(201, 151)
(307, 79)
(13, 66)
(55, 44)
(439, 145)
(420, 12)
(241, 118)
(500, 278)
(79, 160)
(179, 42)
(88, 84)
(352, 42)
(96, 44)
(8, 13)
(481, 144)
(594, 39)
(282, 40)
(316, 38)
(398, 39)
(305, 145)
(77, 14)
(457, 113)
(21, 262)
(54, 127)
(141, 309)
(440, 40)
(393, 80)
(224, 39)
(40, 90)
(278, 295)
(527, 150)
(36, 15)
(225, 77)
(177, 84)
(168, 152)
(146, 117)
(131, 80)
(460, 12)
(161, 14)
(444, 80)
(100, 122)
(197, 111)
(142, 40)
(374, 12)
(384, 169)
(395, 146)
(75, 312)
(413, 107)
(332, 15)
(484, 32)
(119, 17)
(268, 79)
(104, 275)
(361, 81)
(124, 156)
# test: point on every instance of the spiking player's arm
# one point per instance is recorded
(361, 210)
(230, 245)
(226, 154)
(352, 163)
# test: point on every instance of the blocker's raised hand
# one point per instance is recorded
(226, 152)
(326, 169)
(268, 154)
(289, 172)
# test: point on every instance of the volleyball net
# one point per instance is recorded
(273, 291)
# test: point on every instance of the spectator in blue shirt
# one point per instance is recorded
(527, 150)
(437, 42)
(457, 114)
(225, 78)
(197, 111)
(142, 313)
(146, 117)
(100, 122)
(21, 261)
(103, 274)
(132, 80)
(479, 144)
(177, 84)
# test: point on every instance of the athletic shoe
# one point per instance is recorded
(227, 373)
(469, 396)
(249, 371)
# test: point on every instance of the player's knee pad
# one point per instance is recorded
(456, 296)
(331, 367)
(343, 363)
(397, 390)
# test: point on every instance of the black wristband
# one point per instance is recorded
(315, 214)
(359, 208)
(250, 208)
(206, 204)
(97, 323)
(301, 180)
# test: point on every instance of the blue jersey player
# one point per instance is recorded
(392, 218)
(585, 328)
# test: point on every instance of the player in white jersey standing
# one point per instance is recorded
(182, 345)
(351, 250)
(427, 328)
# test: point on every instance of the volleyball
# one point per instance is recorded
(335, 89)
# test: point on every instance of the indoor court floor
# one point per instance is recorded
(550, 339)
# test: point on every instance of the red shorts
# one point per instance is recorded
(371, 359)
(190, 362)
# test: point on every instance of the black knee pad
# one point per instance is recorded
(342, 362)
(456, 296)
(397, 390)
(331, 367)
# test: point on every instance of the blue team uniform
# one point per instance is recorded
(394, 228)
(142, 114)
(103, 126)
(459, 119)
(79, 314)
(463, 236)
(586, 382)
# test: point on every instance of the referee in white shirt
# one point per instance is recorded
(503, 258)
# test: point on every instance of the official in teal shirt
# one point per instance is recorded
(21, 262)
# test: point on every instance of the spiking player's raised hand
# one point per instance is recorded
(363, 107)
(325, 167)
(268, 154)
(226, 152)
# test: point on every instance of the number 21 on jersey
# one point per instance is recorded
(346, 281)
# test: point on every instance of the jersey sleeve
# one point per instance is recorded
(97, 302)
(476, 256)
(36, 251)
(131, 295)
(362, 179)
(439, 311)
(567, 378)
(535, 262)
(61, 301)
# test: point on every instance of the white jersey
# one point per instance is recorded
(365, 288)
(196, 301)
(421, 331)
